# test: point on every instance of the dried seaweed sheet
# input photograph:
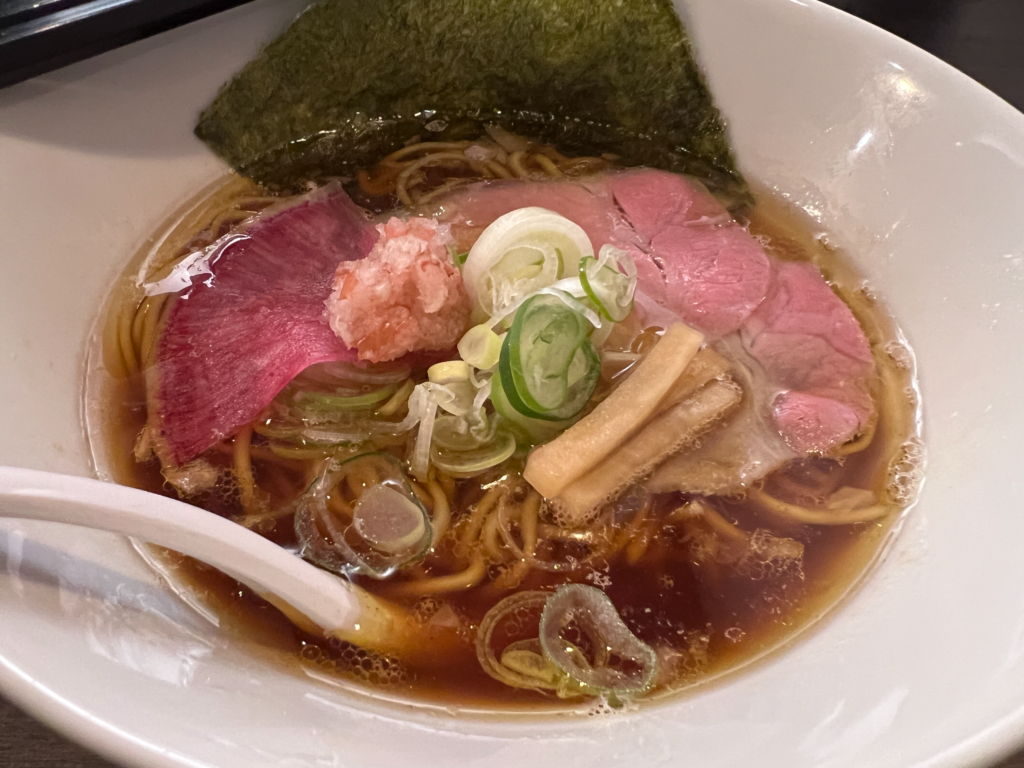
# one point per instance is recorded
(351, 80)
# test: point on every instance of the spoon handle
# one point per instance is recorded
(312, 598)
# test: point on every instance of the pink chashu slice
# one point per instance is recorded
(812, 348)
(696, 260)
(693, 259)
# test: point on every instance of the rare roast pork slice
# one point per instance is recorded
(696, 260)
(251, 321)
(717, 277)
(806, 369)
(472, 208)
(814, 351)
(691, 257)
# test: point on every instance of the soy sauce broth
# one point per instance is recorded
(677, 585)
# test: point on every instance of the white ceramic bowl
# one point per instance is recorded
(916, 168)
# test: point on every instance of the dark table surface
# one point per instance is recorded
(983, 38)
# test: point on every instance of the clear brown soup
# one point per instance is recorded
(675, 581)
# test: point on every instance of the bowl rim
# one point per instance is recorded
(106, 739)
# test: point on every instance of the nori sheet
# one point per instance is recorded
(352, 80)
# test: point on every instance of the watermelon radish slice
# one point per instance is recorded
(246, 327)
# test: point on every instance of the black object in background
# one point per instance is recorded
(982, 38)
(39, 35)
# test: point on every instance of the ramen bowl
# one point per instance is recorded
(907, 164)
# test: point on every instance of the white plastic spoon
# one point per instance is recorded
(313, 599)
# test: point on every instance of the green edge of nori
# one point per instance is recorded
(352, 80)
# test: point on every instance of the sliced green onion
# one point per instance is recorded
(422, 405)
(389, 520)
(397, 400)
(525, 658)
(480, 347)
(342, 400)
(452, 433)
(277, 427)
(581, 304)
(451, 372)
(342, 374)
(521, 663)
(527, 431)
(469, 463)
(519, 253)
(627, 665)
(545, 348)
(610, 282)
(324, 429)
(325, 436)
(516, 608)
(289, 450)
(458, 259)
(293, 425)
(380, 534)
(462, 399)
(600, 336)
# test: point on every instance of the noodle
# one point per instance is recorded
(861, 442)
(137, 323)
(497, 169)
(236, 216)
(400, 174)
(257, 203)
(124, 340)
(113, 360)
(243, 468)
(489, 532)
(424, 496)
(447, 483)
(798, 514)
(263, 454)
(480, 512)
(626, 535)
(448, 186)
(435, 158)
(154, 312)
(549, 167)
(337, 505)
(720, 525)
(397, 400)
(442, 511)
(429, 147)
(437, 585)
(512, 576)
(515, 162)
